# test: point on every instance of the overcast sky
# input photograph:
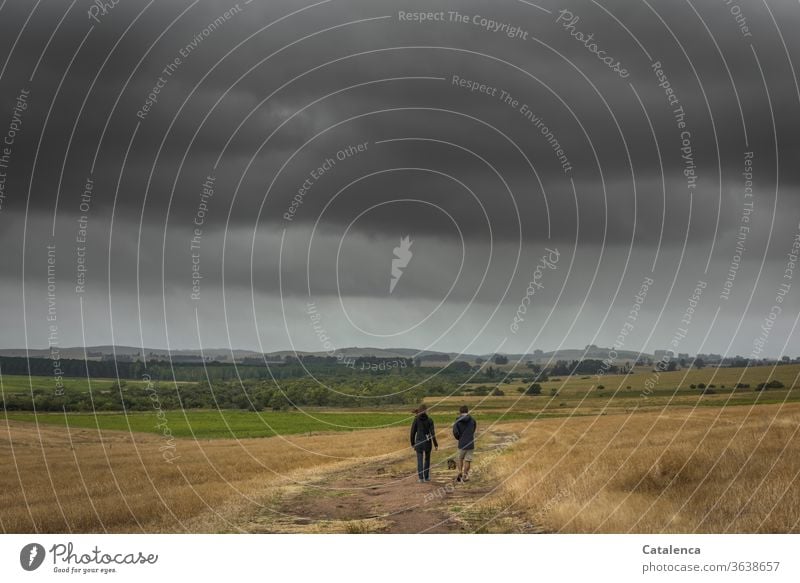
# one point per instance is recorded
(355, 112)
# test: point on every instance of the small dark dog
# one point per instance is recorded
(451, 464)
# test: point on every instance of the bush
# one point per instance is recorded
(520, 389)
(770, 385)
(554, 392)
(498, 393)
(692, 386)
(600, 387)
(534, 389)
(701, 385)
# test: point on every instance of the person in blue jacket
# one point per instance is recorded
(423, 439)
(464, 431)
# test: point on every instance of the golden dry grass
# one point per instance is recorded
(734, 469)
(731, 469)
(85, 481)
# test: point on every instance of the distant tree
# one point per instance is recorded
(500, 359)
(534, 389)
(541, 377)
(773, 384)
(699, 363)
(672, 366)
(534, 367)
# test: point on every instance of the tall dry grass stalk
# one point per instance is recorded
(708, 470)
(89, 481)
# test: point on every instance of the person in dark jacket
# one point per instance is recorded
(423, 439)
(464, 431)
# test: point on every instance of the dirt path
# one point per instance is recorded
(383, 495)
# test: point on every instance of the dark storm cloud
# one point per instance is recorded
(558, 74)
(630, 189)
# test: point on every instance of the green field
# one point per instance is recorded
(24, 384)
(579, 395)
(219, 424)
(241, 424)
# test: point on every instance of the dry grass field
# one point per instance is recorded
(680, 469)
(714, 470)
(82, 481)
(643, 377)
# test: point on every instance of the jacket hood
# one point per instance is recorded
(463, 418)
(422, 416)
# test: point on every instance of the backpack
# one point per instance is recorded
(423, 431)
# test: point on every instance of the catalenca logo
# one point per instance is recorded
(31, 556)
(402, 255)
